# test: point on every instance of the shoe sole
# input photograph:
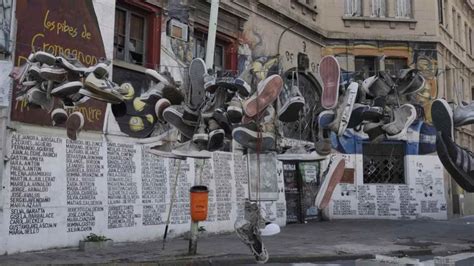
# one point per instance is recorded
(442, 117)
(329, 184)
(67, 89)
(160, 106)
(74, 124)
(330, 73)
(175, 118)
(201, 139)
(105, 96)
(57, 76)
(197, 69)
(249, 139)
(462, 178)
(291, 109)
(59, 117)
(268, 94)
(40, 98)
(347, 112)
(99, 97)
(235, 114)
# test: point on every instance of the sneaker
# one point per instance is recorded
(330, 73)
(267, 92)
(373, 114)
(300, 153)
(40, 98)
(105, 88)
(332, 177)
(356, 116)
(322, 143)
(403, 118)
(290, 103)
(367, 83)
(67, 88)
(201, 138)
(74, 124)
(59, 116)
(344, 110)
(216, 136)
(174, 117)
(442, 116)
(325, 118)
(458, 161)
(197, 70)
(375, 131)
(160, 106)
(43, 58)
(164, 149)
(463, 114)
(191, 150)
(234, 109)
(190, 116)
(250, 136)
(72, 64)
(56, 74)
(156, 77)
(243, 88)
(380, 86)
(411, 81)
(217, 100)
(221, 117)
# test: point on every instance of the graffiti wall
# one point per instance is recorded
(58, 27)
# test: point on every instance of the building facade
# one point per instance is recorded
(107, 183)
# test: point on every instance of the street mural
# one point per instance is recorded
(59, 28)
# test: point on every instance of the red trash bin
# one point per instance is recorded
(199, 199)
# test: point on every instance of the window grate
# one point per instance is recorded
(384, 163)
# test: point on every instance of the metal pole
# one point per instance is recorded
(211, 35)
(211, 42)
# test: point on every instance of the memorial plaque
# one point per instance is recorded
(180, 213)
(222, 165)
(31, 183)
(85, 166)
(154, 189)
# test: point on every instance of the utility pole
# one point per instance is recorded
(211, 42)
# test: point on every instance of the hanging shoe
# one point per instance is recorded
(458, 161)
(190, 116)
(72, 64)
(43, 58)
(301, 153)
(59, 117)
(248, 135)
(222, 119)
(102, 89)
(174, 116)
(463, 114)
(410, 81)
(442, 116)
(367, 83)
(191, 150)
(380, 86)
(332, 176)
(164, 149)
(290, 103)
(267, 92)
(37, 97)
(373, 114)
(330, 73)
(344, 110)
(404, 116)
(56, 74)
(201, 138)
(67, 88)
(375, 131)
(216, 136)
(325, 118)
(234, 109)
(197, 70)
(356, 116)
(74, 124)
(160, 106)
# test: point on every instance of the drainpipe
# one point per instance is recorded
(211, 35)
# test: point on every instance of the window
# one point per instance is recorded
(200, 45)
(470, 42)
(454, 16)
(404, 8)
(466, 36)
(353, 8)
(384, 163)
(472, 93)
(394, 65)
(445, 13)
(379, 8)
(440, 12)
(365, 66)
(129, 39)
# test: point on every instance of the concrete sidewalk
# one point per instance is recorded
(315, 241)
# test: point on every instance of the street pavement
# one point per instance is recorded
(312, 242)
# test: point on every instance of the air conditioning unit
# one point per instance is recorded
(178, 30)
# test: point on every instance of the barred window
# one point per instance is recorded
(384, 163)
